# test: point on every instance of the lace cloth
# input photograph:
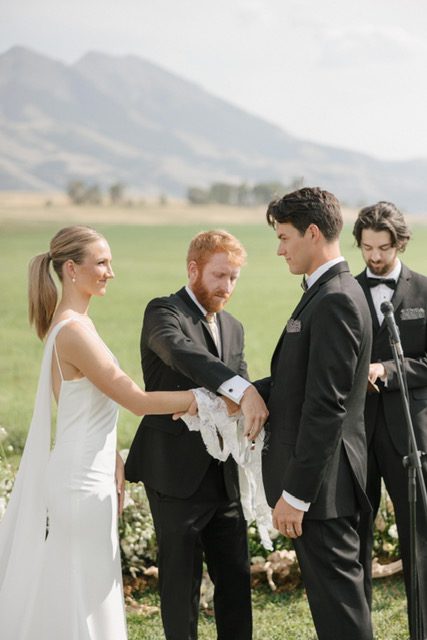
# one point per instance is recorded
(213, 421)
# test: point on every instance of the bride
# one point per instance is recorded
(60, 573)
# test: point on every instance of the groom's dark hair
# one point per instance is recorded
(307, 206)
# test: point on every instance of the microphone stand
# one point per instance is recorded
(412, 462)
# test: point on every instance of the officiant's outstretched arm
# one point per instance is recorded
(314, 467)
(187, 341)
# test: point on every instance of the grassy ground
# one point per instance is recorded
(148, 261)
(287, 616)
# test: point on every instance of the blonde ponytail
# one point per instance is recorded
(42, 294)
(69, 243)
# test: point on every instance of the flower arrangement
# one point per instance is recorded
(137, 537)
(7, 474)
(386, 539)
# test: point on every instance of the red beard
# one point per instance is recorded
(207, 298)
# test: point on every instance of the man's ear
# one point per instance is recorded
(192, 271)
(314, 231)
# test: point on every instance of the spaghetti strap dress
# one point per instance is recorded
(60, 570)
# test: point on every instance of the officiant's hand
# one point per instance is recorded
(287, 519)
(255, 412)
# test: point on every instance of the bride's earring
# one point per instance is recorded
(73, 280)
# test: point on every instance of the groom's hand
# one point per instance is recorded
(255, 412)
(287, 519)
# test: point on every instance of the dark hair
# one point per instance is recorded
(383, 216)
(69, 243)
(307, 206)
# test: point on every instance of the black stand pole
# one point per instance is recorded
(412, 462)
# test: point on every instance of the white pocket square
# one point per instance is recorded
(293, 326)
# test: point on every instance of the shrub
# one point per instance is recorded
(386, 539)
(137, 538)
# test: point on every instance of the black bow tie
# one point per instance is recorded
(374, 282)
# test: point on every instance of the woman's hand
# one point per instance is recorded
(192, 409)
(120, 482)
(232, 407)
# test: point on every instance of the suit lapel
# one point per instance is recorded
(363, 281)
(308, 295)
(341, 267)
(200, 321)
(224, 334)
(402, 288)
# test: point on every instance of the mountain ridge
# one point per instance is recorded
(106, 119)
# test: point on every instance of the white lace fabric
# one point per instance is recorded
(213, 421)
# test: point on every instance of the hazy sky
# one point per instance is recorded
(352, 73)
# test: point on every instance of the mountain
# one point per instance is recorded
(107, 119)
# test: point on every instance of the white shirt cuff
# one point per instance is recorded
(295, 502)
(234, 388)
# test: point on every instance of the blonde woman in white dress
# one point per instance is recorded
(68, 585)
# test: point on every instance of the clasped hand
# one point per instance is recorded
(232, 408)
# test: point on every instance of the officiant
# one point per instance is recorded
(189, 341)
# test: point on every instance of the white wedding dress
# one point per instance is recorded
(67, 586)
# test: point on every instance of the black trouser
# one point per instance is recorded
(385, 462)
(208, 524)
(328, 554)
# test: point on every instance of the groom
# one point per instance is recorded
(188, 341)
(314, 465)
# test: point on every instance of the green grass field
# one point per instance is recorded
(150, 261)
(286, 616)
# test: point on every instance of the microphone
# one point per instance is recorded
(393, 330)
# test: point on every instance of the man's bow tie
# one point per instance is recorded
(374, 282)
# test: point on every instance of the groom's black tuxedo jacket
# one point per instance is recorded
(178, 352)
(410, 310)
(316, 447)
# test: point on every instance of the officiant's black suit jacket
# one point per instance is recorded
(178, 352)
(317, 446)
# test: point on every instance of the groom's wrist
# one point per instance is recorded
(295, 502)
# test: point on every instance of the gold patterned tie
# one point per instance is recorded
(213, 327)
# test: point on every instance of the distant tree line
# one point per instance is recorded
(241, 195)
(81, 192)
(227, 193)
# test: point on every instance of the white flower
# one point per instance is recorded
(3, 434)
(392, 532)
(2, 506)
